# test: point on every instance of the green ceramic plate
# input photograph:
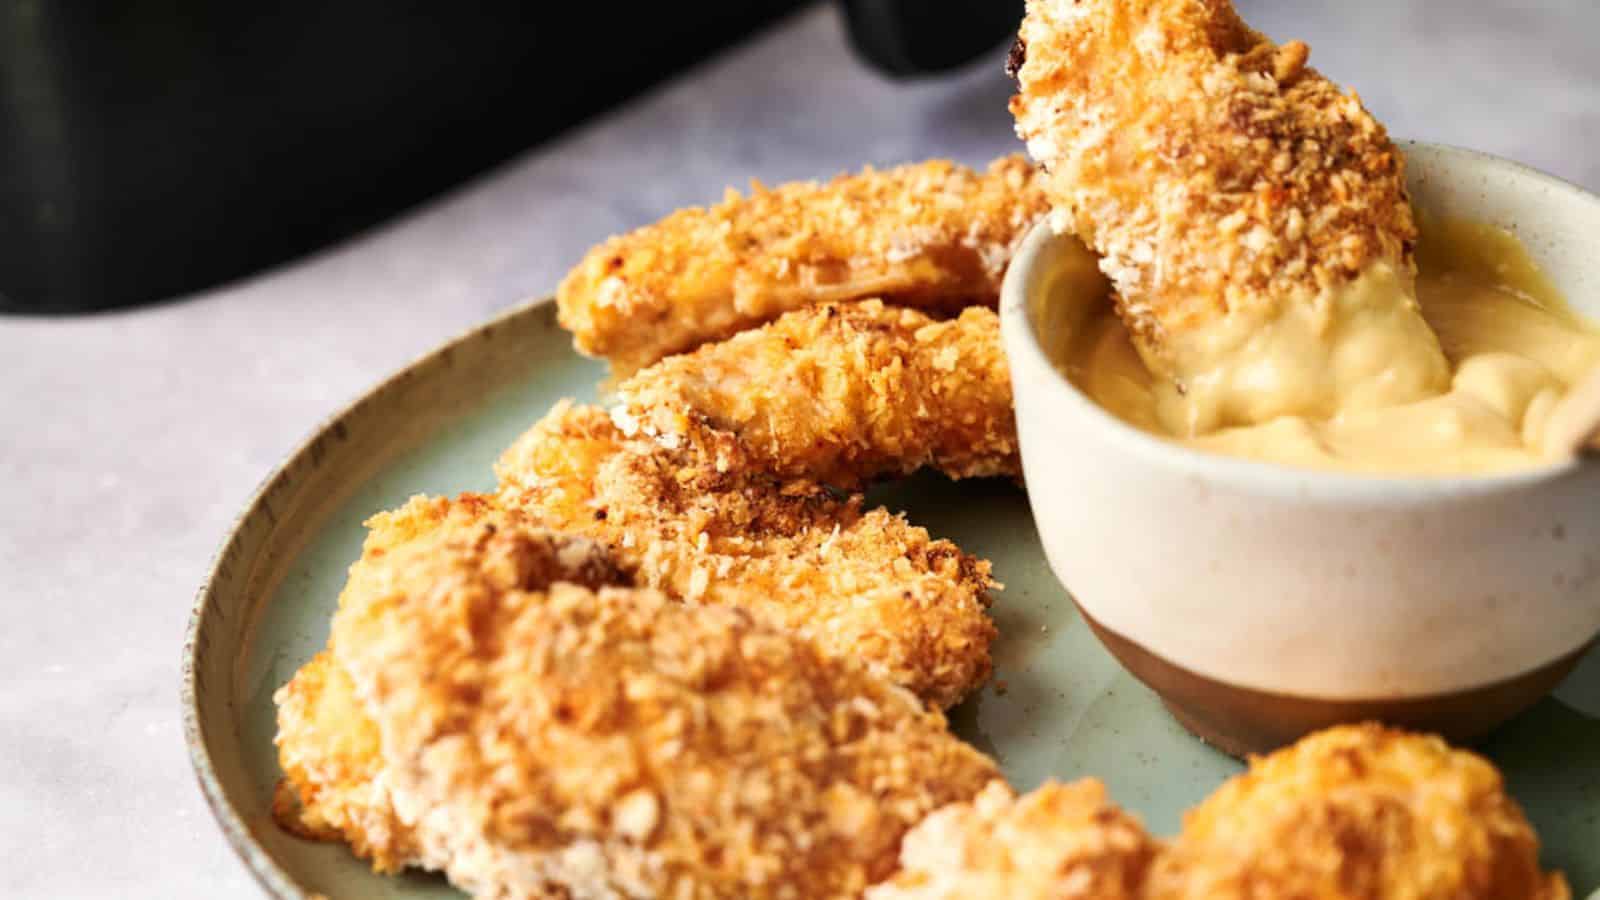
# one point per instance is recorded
(1060, 705)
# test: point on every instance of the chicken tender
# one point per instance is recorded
(700, 516)
(845, 393)
(934, 235)
(329, 749)
(1355, 812)
(697, 516)
(544, 739)
(1237, 198)
(1058, 842)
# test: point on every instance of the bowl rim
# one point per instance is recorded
(1267, 479)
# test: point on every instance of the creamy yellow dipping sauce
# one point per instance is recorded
(1513, 345)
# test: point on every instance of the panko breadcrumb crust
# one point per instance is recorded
(698, 516)
(1212, 169)
(1359, 811)
(846, 393)
(1349, 813)
(330, 754)
(1058, 842)
(328, 748)
(933, 235)
(544, 739)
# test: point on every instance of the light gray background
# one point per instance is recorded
(132, 439)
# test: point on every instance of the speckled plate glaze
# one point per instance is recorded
(1059, 706)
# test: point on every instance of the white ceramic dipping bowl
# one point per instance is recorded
(1263, 602)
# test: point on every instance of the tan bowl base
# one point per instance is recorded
(1241, 721)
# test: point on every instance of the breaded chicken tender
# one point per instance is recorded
(933, 235)
(541, 739)
(1055, 843)
(328, 748)
(697, 515)
(1222, 180)
(704, 517)
(1359, 812)
(845, 393)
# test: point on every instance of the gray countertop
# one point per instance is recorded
(132, 439)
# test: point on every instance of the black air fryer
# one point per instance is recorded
(150, 148)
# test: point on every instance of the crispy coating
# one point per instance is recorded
(328, 748)
(1057, 842)
(702, 517)
(544, 739)
(330, 754)
(1355, 812)
(933, 235)
(1212, 170)
(845, 393)
(699, 518)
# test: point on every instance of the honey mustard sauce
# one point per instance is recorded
(1512, 345)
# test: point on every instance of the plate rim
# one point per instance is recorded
(273, 878)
